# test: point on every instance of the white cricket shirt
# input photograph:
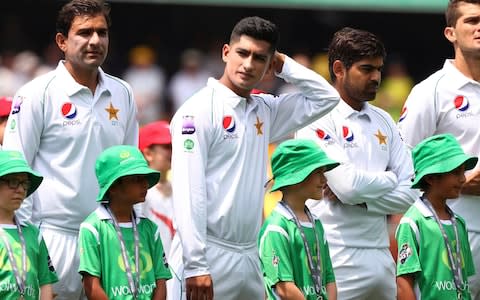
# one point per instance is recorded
(372, 181)
(446, 102)
(220, 143)
(61, 128)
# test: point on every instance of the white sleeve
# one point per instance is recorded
(399, 199)
(189, 159)
(419, 121)
(350, 184)
(23, 133)
(293, 111)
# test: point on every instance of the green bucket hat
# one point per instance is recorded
(439, 154)
(13, 162)
(119, 161)
(293, 160)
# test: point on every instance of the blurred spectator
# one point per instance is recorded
(25, 67)
(191, 77)
(213, 61)
(148, 83)
(5, 107)
(320, 65)
(155, 143)
(51, 56)
(7, 76)
(395, 87)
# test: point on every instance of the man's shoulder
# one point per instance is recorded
(113, 82)
(432, 80)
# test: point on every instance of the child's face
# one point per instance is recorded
(13, 189)
(447, 185)
(312, 186)
(159, 157)
(129, 189)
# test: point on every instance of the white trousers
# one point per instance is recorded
(364, 274)
(235, 271)
(63, 251)
(474, 281)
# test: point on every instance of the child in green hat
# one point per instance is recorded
(25, 268)
(434, 255)
(294, 255)
(121, 253)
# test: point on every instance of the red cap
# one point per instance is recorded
(5, 106)
(155, 133)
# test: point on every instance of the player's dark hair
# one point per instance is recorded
(77, 8)
(452, 14)
(350, 45)
(257, 28)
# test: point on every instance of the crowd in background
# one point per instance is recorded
(159, 94)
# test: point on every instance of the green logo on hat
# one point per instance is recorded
(15, 154)
(188, 144)
(124, 154)
(13, 124)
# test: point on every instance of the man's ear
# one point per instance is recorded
(338, 69)
(225, 51)
(60, 39)
(450, 34)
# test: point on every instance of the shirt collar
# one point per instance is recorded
(346, 111)
(279, 208)
(103, 214)
(456, 78)
(423, 208)
(71, 86)
(227, 94)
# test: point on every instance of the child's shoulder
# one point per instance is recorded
(277, 220)
(29, 228)
(146, 223)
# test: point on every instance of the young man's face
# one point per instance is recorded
(360, 83)
(447, 185)
(247, 60)
(86, 45)
(13, 189)
(466, 33)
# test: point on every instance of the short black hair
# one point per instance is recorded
(257, 28)
(77, 8)
(350, 45)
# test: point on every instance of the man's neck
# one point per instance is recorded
(85, 77)
(468, 66)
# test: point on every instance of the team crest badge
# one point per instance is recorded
(404, 253)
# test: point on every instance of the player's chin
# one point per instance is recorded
(316, 196)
